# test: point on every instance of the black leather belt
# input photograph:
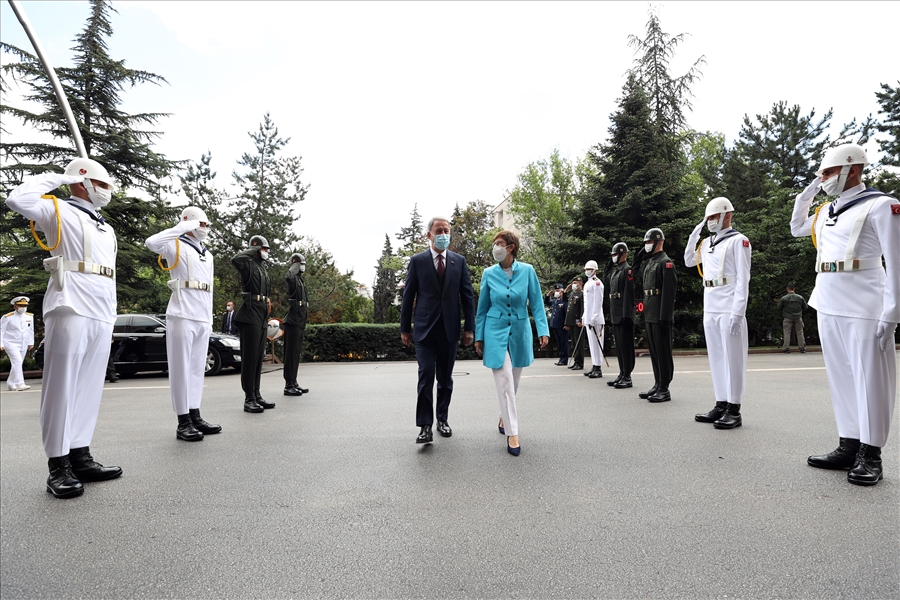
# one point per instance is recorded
(652, 292)
(615, 296)
(258, 298)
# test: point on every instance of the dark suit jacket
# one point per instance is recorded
(426, 305)
(234, 328)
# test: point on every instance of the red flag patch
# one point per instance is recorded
(746, 243)
(630, 277)
(895, 209)
(670, 265)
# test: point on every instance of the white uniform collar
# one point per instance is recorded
(848, 195)
(84, 204)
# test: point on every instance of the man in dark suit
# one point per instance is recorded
(436, 284)
(228, 323)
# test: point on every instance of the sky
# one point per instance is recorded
(432, 104)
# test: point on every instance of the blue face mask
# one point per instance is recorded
(442, 241)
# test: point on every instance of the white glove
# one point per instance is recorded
(735, 324)
(58, 179)
(811, 190)
(188, 225)
(885, 334)
(699, 227)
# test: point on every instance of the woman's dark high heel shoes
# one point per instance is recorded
(500, 427)
(511, 450)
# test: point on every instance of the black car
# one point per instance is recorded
(139, 344)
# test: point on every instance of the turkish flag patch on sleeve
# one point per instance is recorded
(895, 209)
(746, 243)
(670, 265)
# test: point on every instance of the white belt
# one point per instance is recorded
(857, 264)
(189, 283)
(54, 264)
(718, 282)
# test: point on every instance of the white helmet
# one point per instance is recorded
(89, 169)
(193, 213)
(591, 264)
(718, 206)
(844, 156)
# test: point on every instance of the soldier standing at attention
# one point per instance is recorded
(725, 257)
(658, 280)
(792, 306)
(858, 302)
(574, 310)
(188, 317)
(557, 301)
(593, 318)
(252, 319)
(295, 323)
(79, 313)
(17, 338)
(620, 283)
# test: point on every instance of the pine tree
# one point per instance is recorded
(118, 140)
(889, 141)
(471, 233)
(385, 290)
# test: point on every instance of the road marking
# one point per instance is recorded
(683, 372)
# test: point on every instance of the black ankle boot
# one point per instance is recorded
(714, 415)
(62, 483)
(867, 470)
(291, 390)
(731, 418)
(302, 389)
(650, 392)
(186, 430)
(251, 406)
(201, 425)
(86, 468)
(623, 383)
(264, 403)
(614, 381)
(596, 373)
(842, 457)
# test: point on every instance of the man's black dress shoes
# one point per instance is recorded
(425, 436)
(623, 383)
(614, 381)
(251, 406)
(292, 391)
(661, 395)
(264, 403)
(444, 429)
(650, 392)
(561, 363)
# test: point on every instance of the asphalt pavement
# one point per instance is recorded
(328, 496)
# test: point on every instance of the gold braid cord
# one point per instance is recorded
(177, 257)
(812, 230)
(58, 227)
(698, 258)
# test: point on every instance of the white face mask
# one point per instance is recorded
(557, 294)
(589, 273)
(302, 268)
(201, 233)
(499, 253)
(264, 254)
(575, 288)
(648, 247)
(99, 196)
(715, 225)
(21, 309)
(229, 308)
(833, 186)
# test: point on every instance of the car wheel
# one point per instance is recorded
(213, 362)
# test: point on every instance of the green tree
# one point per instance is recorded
(668, 97)
(887, 179)
(333, 296)
(120, 141)
(472, 231)
(385, 290)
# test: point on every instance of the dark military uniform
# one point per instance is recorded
(620, 287)
(252, 317)
(658, 280)
(294, 323)
(574, 311)
(557, 322)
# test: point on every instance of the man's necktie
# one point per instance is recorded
(441, 267)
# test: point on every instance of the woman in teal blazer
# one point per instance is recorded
(502, 328)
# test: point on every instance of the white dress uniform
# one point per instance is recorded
(79, 310)
(189, 314)
(853, 292)
(16, 335)
(726, 289)
(593, 315)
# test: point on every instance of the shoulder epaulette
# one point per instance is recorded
(29, 314)
(9, 314)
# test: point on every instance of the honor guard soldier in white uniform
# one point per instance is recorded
(295, 323)
(17, 338)
(592, 318)
(79, 313)
(858, 302)
(188, 317)
(725, 257)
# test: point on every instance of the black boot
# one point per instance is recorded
(201, 425)
(596, 373)
(867, 470)
(186, 430)
(577, 367)
(302, 389)
(614, 381)
(291, 390)
(625, 382)
(731, 418)
(261, 402)
(650, 392)
(662, 394)
(842, 457)
(62, 483)
(251, 406)
(86, 468)
(714, 415)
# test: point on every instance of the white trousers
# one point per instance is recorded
(727, 357)
(506, 378)
(187, 343)
(76, 350)
(594, 345)
(862, 378)
(16, 378)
